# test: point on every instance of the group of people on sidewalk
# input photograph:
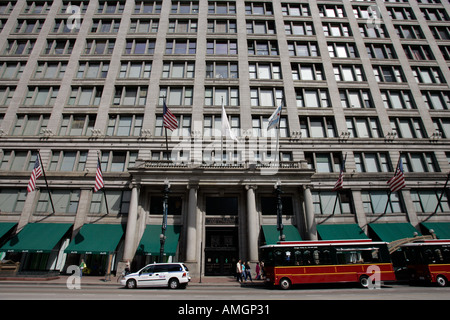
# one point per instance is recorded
(243, 271)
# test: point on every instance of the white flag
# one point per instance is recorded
(274, 119)
(226, 129)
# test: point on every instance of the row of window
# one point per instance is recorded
(215, 7)
(145, 26)
(311, 127)
(120, 161)
(325, 203)
(221, 46)
(257, 70)
(229, 96)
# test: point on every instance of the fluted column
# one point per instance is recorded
(191, 230)
(130, 234)
(311, 228)
(252, 223)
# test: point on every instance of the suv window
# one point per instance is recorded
(161, 268)
(148, 270)
(174, 268)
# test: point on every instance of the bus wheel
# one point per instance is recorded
(285, 284)
(364, 281)
(441, 281)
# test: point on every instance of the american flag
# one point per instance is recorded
(99, 184)
(340, 181)
(397, 182)
(35, 174)
(169, 120)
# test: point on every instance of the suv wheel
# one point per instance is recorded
(131, 284)
(173, 283)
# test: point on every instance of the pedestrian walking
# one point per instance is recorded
(248, 271)
(82, 266)
(239, 271)
(258, 270)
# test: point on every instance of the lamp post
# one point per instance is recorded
(280, 226)
(162, 236)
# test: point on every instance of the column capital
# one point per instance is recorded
(251, 186)
(194, 186)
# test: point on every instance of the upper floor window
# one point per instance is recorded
(263, 97)
(317, 127)
(221, 7)
(77, 125)
(50, 70)
(41, 96)
(295, 9)
(135, 69)
(436, 100)
(30, 124)
(312, 98)
(264, 8)
(176, 69)
(222, 70)
(149, 7)
(263, 48)
(331, 11)
(130, 96)
(265, 71)
(110, 7)
(184, 7)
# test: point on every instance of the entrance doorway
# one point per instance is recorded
(221, 251)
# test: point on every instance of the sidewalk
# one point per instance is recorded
(112, 281)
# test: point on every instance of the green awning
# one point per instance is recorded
(150, 244)
(37, 237)
(393, 231)
(272, 234)
(441, 229)
(96, 239)
(5, 227)
(340, 232)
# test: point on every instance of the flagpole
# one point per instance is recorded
(390, 191)
(103, 187)
(46, 182)
(221, 134)
(440, 198)
(338, 194)
(165, 129)
(277, 155)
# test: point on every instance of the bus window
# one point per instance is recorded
(307, 258)
(446, 254)
(438, 256)
(298, 258)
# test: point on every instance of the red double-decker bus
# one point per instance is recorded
(427, 260)
(290, 263)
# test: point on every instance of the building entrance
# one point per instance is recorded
(221, 251)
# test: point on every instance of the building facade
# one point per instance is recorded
(363, 83)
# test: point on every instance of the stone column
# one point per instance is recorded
(130, 234)
(311, 229)
(252, 223)
(191, 229)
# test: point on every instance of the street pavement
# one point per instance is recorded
(208, 288)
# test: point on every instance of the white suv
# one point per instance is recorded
(173, 275)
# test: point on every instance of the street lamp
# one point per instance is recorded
(280, 226)
(162, 236)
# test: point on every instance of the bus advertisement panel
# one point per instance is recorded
(363, 261)
(427, 261)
